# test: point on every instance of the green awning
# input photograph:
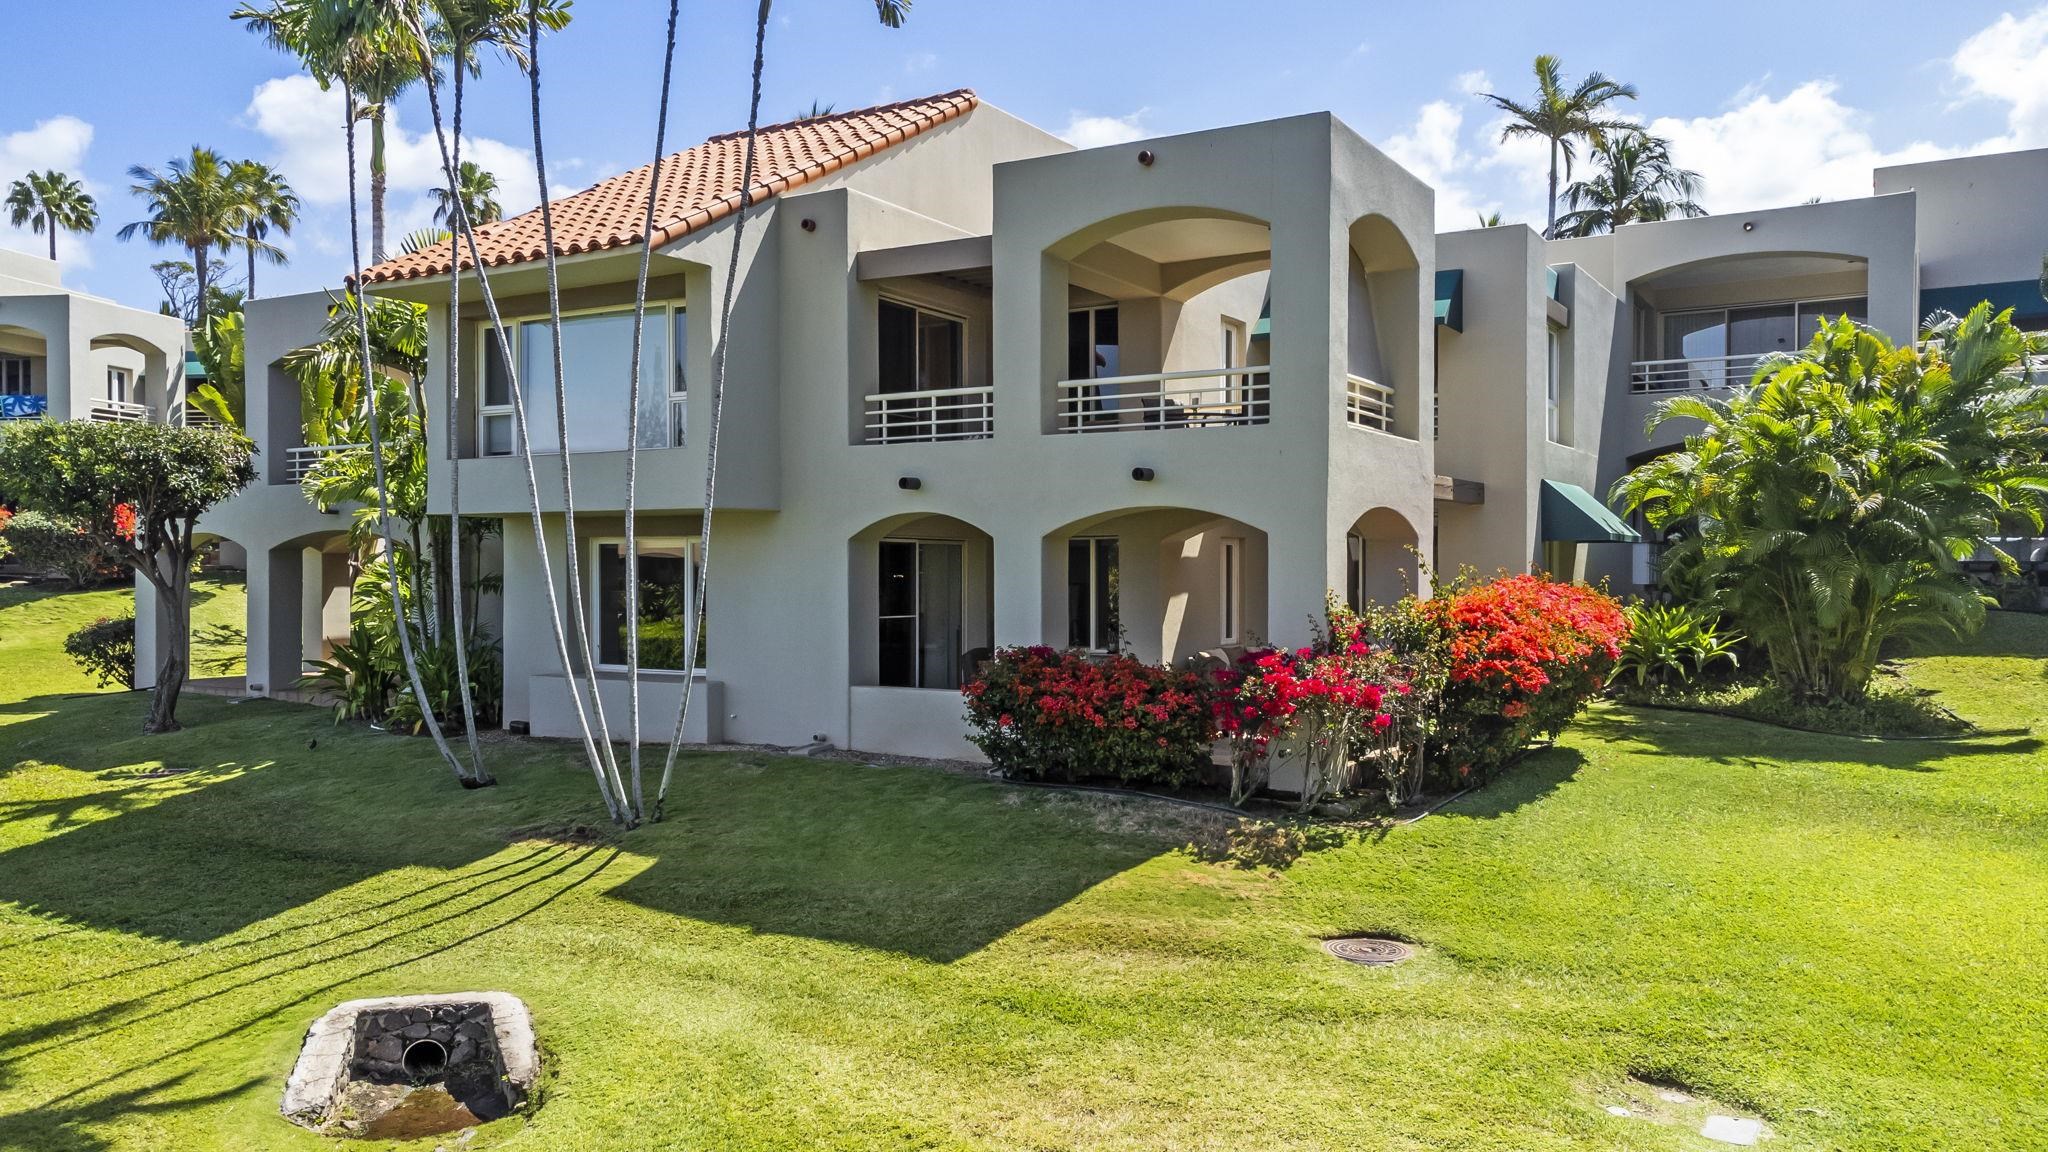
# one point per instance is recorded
(1550, 282)
(193, 367)
(1450, 298)
(1263, 330)
(2022, 296)
(1572, 516)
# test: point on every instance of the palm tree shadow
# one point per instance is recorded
(48, 1128)
(1729, 740)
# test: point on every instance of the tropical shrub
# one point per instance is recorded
(46, 544)
(1826, 506)
(106, 649)
(1521, 656)
(1041, 713)
(1672, 645)
(6, 518)
(438, 675)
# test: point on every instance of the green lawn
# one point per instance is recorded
(1846, 938)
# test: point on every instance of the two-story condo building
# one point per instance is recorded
(984, 389)
(69, 356)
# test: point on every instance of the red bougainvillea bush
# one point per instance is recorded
(1521, 656)
(1040, 713)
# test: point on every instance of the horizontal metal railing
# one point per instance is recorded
(120, 412)
(300, 461)
(1368, 404)
(1692, 373)
(1202, 398)
(928, 416)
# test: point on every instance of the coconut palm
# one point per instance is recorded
(196, 204)
(268, 202)
(1636, 182)
(48, 200)
(476, 189)
(1490, 220)
(1826, 505)
(357, 44)
(1563, 116)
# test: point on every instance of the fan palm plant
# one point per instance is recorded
(49, 200)
(269, 203)
(1636, 182)
(1563, 116)
(1827, 505)
(476, 189)
(196, 204)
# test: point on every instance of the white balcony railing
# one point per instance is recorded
(298, 462)
(1203, 398)
(1368, 404)
(1692, 373)
(120, 412)
(924, 417)
(191, 416)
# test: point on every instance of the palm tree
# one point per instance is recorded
(358, 45)
(1637, 181)
(195, 203)
(1563, 117)
(269, 203)
(1490, 220)
(477, 191)
(49, 200)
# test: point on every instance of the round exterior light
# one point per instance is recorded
(808, 224)
(1145, 157)
(1142, 474)
(909, 483)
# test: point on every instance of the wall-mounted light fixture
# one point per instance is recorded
(808, 224)
(1142, 475)
(1749, 225)
(1145, 157)
(909, 483)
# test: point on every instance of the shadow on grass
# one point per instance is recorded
(1537, 775)
(1730, 740)
(53, 1129)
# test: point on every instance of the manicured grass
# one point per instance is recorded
(1844, 937)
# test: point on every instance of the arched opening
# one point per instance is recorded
(24, 373)
(1164, 322)
(1382, 366)
(1704, 324)
(1164, 584)
(129, 378)
(1380, 561)
(922, 602)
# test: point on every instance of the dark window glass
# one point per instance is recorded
(938, 352)
(1107, 630)
(1108, 357)
(1079, 631)
(1077, 346)
(1755, 331)
(897, 610)
(497, 385)
(1813, 312)
(896, 336)
(679, 346)
(663, 612)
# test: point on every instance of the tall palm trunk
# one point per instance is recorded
(405, 647)
(633, 426)
(250, 251)
(722, 339)
(201, 256)
(50, 219)
(451, 416)
(572, 566)
(1550, 225)
(377, 186)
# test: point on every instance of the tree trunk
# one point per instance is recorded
(1550, 225)
(174, 593)
(250, 290)
(377, 186)
(50, 218)
(199, 261)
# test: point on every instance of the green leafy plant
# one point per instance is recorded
(1826, 506)
(353, 677)
(52, 544)
(106, 649)
(1672, 644)
(1046, 714)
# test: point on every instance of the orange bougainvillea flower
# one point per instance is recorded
(124, 521)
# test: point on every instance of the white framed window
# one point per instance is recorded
(597, 352)
(669, 570)
(920, 613)
(118, 381)
(14, 376)
(1553, 383)
(1231, 588)
(1092, 583)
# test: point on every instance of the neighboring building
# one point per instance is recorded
(983, 389)
(69, 356)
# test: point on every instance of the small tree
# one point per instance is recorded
(141, 489)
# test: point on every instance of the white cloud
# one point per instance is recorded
(1772, 151)
(1083, 131)
(920, 62)
(2007, 63)
(304, 126)
(1474, 82)
(60, 142)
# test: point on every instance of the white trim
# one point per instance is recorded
(594, 602)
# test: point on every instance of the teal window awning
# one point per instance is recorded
(1571, 515)
(1450, 298)
(2029, 309)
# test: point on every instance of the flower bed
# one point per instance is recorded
(1040, 713)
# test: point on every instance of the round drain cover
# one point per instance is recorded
(1373, 950)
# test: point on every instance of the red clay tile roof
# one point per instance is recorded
(698, 186)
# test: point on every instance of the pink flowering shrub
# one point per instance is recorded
(1040, 713)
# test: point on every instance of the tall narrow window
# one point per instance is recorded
(1094, 351)
(678, 381)
(14, 376)
(1553, 389)
(1232, 581)
(1354, 571)
(918, 350)
(919, 613)
(1092, 580)
(117, 385)
(495, 421)
(668, 573)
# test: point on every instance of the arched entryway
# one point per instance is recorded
(1381, 564)
(1164, 584)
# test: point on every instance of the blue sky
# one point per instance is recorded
(1773, 103)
